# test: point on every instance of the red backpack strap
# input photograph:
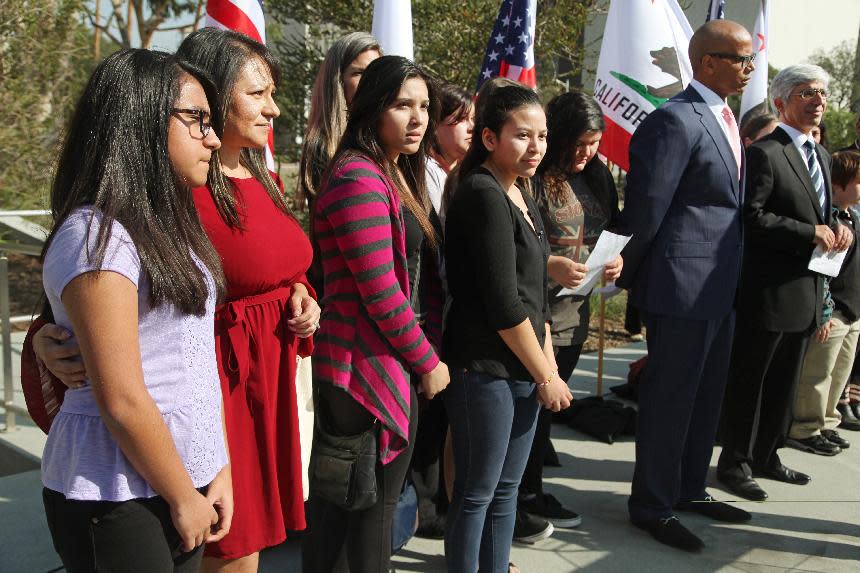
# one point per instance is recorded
(43, 391)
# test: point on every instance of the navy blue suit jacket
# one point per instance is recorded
(682, 205)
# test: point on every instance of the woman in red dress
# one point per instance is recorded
(270, 312)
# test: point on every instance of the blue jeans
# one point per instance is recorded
(492, 426)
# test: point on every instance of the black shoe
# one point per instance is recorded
(709, 507)
(783, 474)
(816, 444)
(531, 529)
(849, 420)
(548, 507)
(833, 437)
(669, 531)
(432, 528)
(744, 486)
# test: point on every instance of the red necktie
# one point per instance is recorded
(734, 135)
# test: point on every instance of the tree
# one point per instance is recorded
(150, 17)
(839, 63)
(450, 39)
(855, 78)
(45, 58)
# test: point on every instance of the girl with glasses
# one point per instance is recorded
(270, 311)
(135, 467)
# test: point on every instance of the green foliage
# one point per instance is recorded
(45, 57)
(840, 128)
(839, 63)
(450, 39)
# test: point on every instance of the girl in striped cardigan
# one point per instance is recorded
(370, 212)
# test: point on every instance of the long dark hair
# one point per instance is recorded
(569, 116)
(115, 159)
(496, 101)
(377, 90)
(223, 54)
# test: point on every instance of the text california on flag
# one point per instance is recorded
(643, 62)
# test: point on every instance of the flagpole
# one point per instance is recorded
(601, 326)
(601, 338)
(97, 47)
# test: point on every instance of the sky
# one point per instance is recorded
(793, 39)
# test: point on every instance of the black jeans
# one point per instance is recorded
(117, 537)
(566, 357)
(366, 534)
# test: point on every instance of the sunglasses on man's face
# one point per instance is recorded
(201, 116)
(744, 61)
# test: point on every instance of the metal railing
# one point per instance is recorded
(17, 235)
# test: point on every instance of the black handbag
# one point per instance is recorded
(343, 468)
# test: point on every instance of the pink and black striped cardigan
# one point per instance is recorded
(369, 339)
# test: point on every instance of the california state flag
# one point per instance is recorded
(643, 62)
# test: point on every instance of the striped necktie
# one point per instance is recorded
(815, 173)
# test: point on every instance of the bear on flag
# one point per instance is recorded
(643, 62)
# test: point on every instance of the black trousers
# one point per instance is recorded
(532, 483)
(117, 537)
(679, 407)
(365, 535)
(427, 466)
(757, 411)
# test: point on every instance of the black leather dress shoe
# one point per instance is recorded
(816, 444)
(669, 531)
(744, 486)
(783, 474)
(849, 420)
(709, 507)
(833, 437)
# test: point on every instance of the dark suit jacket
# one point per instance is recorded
(683, 207)
(778, 293)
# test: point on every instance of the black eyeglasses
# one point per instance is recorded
(201, 116)
(744, 61)
(810, 93)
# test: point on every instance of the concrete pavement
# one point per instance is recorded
(801, 528)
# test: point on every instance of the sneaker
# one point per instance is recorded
(833, 437)
(816, 444)
(530, 529)
(549, 508)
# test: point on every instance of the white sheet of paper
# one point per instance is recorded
(826, 262)
(608, 247)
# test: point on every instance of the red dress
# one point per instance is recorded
(256, 355)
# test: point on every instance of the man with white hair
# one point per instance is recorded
(787, 213)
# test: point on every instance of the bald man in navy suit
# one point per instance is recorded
(683, 207)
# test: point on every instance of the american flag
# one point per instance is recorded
(245, 16)
(511, 49)
(716, 10)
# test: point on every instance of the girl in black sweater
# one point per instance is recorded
(497, 337)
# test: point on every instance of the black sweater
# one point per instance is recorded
(845, 288)
(497, 277)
